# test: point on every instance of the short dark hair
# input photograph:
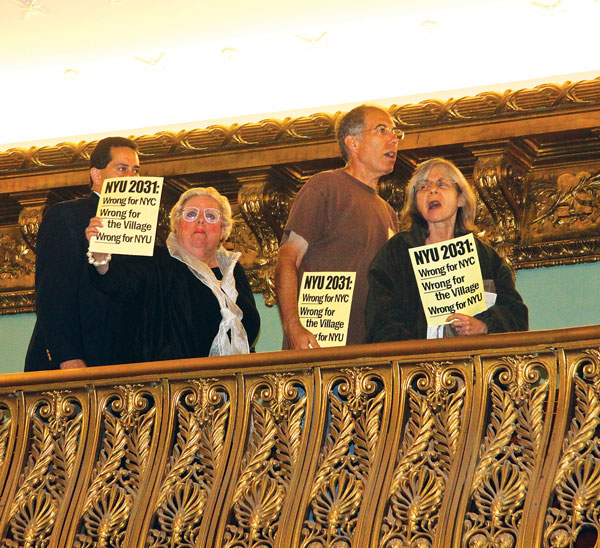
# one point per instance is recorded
(101, 155)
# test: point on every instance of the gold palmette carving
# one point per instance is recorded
(278, 414)
(201, 418)
(518, 396)
(493, 447)
(575, 501)
(56, 420)
(128, 421)
(355, 404)
(435, 395)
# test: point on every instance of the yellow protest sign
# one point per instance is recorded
(449, 278)
(129, 211)
(324, 302)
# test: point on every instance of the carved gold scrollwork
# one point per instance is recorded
(128, 423)
(18, 260)
(29, 223)
(518, 396)
(435, 396)
(56, 420)
(264, 207)
(499, 180)
(278, 412)
(201, 419)
(574, 506)
(32, 205)
(355, 405)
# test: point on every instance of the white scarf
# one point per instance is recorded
(231, 337)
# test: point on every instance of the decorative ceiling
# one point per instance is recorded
(72, 70)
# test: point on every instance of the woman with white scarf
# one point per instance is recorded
(190, 299)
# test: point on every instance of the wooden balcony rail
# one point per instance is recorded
(489, 441)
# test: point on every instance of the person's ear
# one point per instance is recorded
(461, 199)
(96, 177)
(351, 142)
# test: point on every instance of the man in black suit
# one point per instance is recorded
(77, 326)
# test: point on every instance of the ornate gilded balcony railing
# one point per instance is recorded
(488, 441)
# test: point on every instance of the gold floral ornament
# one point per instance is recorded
(201, 420)
(56, 420)
(571, 201)
(575, 502)
(356, 398)
(436, 396)
(128, 423)
(278, 408)
(510, 450)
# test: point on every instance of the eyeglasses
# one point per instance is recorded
(191, 213)
(441, 184)
(384, 131)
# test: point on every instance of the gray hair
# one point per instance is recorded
(465, 217)
(210, 192)
(352, 123)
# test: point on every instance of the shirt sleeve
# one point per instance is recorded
(309, 216)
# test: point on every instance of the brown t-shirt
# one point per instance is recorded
(345, 222)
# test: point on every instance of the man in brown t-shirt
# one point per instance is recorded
(338, 221)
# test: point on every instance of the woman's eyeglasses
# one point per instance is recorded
(440, 184)
(191, 213)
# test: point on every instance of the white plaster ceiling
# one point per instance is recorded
(79, 68)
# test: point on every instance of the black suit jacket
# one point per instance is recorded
(74, 320)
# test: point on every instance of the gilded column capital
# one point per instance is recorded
(264, 202)
(499, 176)
(32, 205)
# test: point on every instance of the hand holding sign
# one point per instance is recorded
(449, 279)
(129, 212)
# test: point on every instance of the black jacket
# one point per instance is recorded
(394, 311)
(169, 313)
(74, 320)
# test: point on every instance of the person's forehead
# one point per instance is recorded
(439, 171)
(201, 202)
(375, 117)
(123, 155)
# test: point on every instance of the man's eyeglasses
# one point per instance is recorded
(441, 184)
(384, 131)
(191, 213)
